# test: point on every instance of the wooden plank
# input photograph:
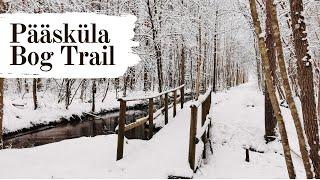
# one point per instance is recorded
(153, 96)
(122, 121)
(192, 137)
(138, 122)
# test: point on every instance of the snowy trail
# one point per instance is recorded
(238, 123)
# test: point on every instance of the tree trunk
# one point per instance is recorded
(289, 98)
(259, 73)
(26, 86)
(2, 7)
(94, 90)
(215, 54)
(1, 110)
(305, 80)
(270, 121)
(157, 48)
(107, 88)
(199, 62)
(34, 93)
(68, 94)
(271, 90)
(19, 85)
(83, 89)
(146, 83)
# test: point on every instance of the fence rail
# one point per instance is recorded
(152, 114)
(203, 134)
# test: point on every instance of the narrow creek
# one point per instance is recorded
(90, 126)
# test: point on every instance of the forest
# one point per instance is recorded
(259, 58)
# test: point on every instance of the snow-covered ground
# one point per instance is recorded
(238, 121)
(165, 154)
(19, 112)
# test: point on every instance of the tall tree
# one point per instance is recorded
(215, 54)
(157, 45)
(287, 89)
(270, 121)
(271, 89)
(199, 62)
(305, 80)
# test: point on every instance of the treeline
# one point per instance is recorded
(181, 42)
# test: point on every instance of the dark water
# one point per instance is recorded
(90, 126)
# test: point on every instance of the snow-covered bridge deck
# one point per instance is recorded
(164, 155)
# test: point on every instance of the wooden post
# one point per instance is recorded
(182, 96)
(192, 136)
(150, 118)
(122, 121)
(174, 103)
(166, 108)
(247, 155)
(204, 111)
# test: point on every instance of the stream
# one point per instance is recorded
(89, 127)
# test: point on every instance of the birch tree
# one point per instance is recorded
(271, 89)
(287, 89)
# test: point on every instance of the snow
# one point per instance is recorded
(95, 157)
(237, 123)
(18, 117)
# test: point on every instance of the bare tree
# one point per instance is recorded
(287, 89)
(270, 121)
(271, 89)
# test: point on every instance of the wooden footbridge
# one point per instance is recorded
(193, 130)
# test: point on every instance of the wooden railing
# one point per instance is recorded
(204, 131)
(152, 114)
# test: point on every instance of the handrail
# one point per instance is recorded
(202, 98)
(152, 114)
(152, 96)
(205, 102)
